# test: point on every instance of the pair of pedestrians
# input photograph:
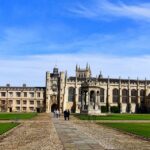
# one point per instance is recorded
(66, 114)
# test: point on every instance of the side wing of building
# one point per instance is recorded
(22, 99)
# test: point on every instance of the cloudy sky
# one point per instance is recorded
(113, 36)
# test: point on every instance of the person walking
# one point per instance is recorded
(54, 113)
(65, 114)
(57, 113)
(68, 114)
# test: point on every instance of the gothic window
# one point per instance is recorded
(133, 96)
(92, 96)
(102, 95)
(125, 96)
(115, 95)
(142, 95)
(148, 100)
(79, 95)
(71, 94)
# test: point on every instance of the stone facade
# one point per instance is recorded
(22, 99)
(80, 93)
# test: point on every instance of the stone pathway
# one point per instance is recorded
(80, 135)
(72, 138)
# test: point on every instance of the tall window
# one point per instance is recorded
(3, 94)
(11, 94)
(102, 94)
(133, 96)
(79, 95)
(31, 94)
(92, 96)
(38, 94)
(142, 95)
(18, 102)
(71, 94)
(31, 102)
(115, 95)
(125, 96)
(18, 94)
(25, 94)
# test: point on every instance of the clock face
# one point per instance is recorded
(54, 87)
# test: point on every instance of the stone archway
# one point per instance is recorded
(53, 107)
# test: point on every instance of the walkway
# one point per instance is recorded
(72, 138)
(80, 135)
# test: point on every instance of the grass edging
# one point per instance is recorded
(5, 134)
(114, 117)
(125, 132)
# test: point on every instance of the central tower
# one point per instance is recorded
(83, 73)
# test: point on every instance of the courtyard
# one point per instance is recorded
(43, 132)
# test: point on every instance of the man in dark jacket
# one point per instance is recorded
(65, 114)
(68, 114)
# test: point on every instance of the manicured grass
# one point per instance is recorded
(141, 129)
(16, 116)
(4, 127)
(114, 117)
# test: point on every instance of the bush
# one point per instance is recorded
(114, 109)
(104, 109)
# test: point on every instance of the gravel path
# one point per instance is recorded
(37, 134)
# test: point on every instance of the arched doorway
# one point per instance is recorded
(53, 107)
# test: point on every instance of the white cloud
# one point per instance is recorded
(105, 8)
(31, 69)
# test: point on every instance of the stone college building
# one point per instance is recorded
(81, 93)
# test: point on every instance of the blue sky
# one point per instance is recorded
(111, 35)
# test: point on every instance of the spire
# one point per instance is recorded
(76, 67)
(100, 74)
(87, 66)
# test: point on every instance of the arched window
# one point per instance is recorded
(71, 94)
(79, 95)
(142, 96)
(148, 100)
(125, 96)
(133, 96)
(92, 96)
(115, 95)
(102, 94)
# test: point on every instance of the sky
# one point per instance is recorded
(110, 35)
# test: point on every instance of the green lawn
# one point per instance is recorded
(114, 117)
(16, 116)
(4, 127)
(141, 129)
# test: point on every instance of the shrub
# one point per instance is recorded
(114, 109)
(104, 109)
